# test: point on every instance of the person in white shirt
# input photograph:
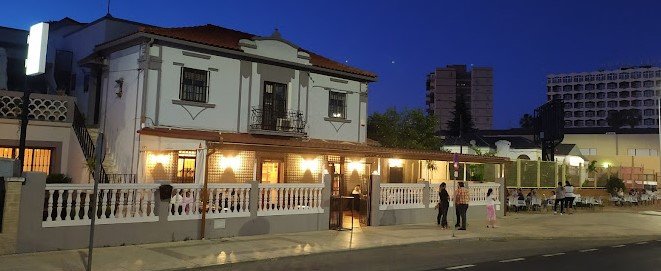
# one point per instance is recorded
(569, 197)
(491, 209)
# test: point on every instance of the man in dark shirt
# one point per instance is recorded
(443, 206)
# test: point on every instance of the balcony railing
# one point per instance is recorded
(291, 123)
(42, 107)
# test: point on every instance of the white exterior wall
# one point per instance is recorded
(119, 119)
(223, 92)
(236, 87)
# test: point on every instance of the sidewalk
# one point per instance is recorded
(188, 254)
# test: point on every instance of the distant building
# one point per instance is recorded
(444, 85)
(590, 97)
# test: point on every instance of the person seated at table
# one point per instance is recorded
(519, 195)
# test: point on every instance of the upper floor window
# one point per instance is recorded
(337, 104)
(635, 75)
(612, 76)
(648, 74)
(578, 78)
(589, 78)
(624, 75)
(566, 79)
(194, 85)
(601, 77)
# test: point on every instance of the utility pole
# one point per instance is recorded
(98, 161)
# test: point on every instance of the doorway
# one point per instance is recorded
(350, 194)
(274, 106)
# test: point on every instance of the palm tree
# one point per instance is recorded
(592, 168)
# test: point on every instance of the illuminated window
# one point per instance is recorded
(186, 167)
(337, 104)
(36, 159)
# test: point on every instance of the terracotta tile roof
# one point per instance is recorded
(275, 143)
(229, 39)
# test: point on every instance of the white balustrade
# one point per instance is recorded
(289, 198)
(433, 195)
(69, 204)
(478, 192)
(224, 200)
(401, 196)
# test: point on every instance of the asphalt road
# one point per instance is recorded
(538, 255)
(642, 256)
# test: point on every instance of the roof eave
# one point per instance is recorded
(121, 42)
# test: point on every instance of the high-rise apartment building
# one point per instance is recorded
(589, 97)
(444, 85)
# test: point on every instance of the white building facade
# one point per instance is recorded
(589, 97)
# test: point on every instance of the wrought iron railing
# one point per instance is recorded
(87, 145)
(288, 122)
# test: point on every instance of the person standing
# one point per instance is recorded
(569, 197)
(461, 198)
(491, 209)
(559, 199)
(443, 206)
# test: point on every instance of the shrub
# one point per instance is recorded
(57, 178)
(613, 184)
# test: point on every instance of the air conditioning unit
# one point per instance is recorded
(283, 124)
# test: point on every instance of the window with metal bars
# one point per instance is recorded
(194, 85)
(36, 159)
(337, 104)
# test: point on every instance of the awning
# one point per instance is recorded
(244, 141)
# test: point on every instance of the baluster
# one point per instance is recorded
(113, 199)
(234, 193)
(143, 202)
(280, 198)
(58, 207)
(307, 195)
(149, 197)
(68, 207)
(76, 208)
(86, 205)
(130, 203)
(49, 208)
(246, 200)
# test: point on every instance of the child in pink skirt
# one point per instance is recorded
(491, 209)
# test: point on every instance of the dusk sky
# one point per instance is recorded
(402, 41)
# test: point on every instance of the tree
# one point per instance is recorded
(632, 117)
(616, 120)
(527, 121)
(592, 168)
(462, 120)
(614, 184)
(409, 129)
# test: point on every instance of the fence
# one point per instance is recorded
(224, 200)
(541, 174)
(401, 196)
(288, 199)
(69, 204)
(411, 195)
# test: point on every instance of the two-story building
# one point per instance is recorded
(252, 133)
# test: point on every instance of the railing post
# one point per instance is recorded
(426, 194)
(518, 173)
(254, 199)
(375, 199)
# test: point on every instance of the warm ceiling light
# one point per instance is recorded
(158, 158)
(355, 166)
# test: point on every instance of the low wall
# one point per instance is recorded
(394, 215)
(32, 236)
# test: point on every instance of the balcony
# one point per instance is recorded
(43, 107)
(289, 123)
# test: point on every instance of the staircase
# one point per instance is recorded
(87, 137)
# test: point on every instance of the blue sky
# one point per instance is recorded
(522, 40)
